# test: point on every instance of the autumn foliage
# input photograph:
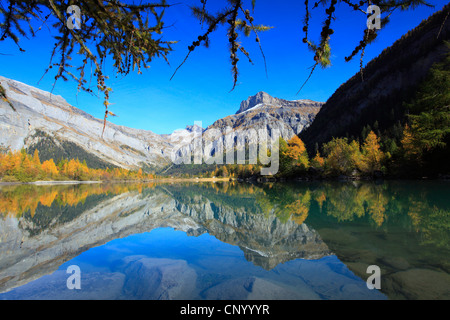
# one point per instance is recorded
(296, 152)
(341, 157)
(16, 200)
(20, 166)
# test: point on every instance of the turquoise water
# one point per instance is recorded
(226, 241)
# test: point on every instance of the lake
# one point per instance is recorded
(227, 240)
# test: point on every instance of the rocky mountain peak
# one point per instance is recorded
(194, 128)
(49, 124)
(259, 98)
(264, 99)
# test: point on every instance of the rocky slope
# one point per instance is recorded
(263, 98)
(48, 121)
(49, 124)
(263, 111)
(389, 81)
(260, 117)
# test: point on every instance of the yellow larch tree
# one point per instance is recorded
(372, 154)
(296, 151)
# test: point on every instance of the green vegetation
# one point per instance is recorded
(427, 136)
(384, 206)
(414, 147)
(341, 157)
(54, 204)
(49, 148)
(19, 166)
(379, 103)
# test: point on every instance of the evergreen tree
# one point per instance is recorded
(430, 110)
(283, 160)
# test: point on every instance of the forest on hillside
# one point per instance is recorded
(419, 147)
(20, 166)
(416, 148)
(403, 97)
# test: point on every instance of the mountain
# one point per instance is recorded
(377, 98)
(48, 123)
(37, 119)
(239, 131)
(264, 111)
(262, 98)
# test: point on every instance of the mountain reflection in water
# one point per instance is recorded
(229, 240)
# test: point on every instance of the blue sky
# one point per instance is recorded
(200, 91)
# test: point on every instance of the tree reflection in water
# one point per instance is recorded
(402, 227)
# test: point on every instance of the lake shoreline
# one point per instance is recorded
(50, 182)
(68, 182)
(228, 179)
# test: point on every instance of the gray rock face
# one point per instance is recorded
(40, 113)
(43, 119)
(263, 98)
(264, 112)
(260, 118)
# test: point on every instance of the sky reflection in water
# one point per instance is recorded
(301, 241)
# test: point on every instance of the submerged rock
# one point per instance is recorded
(422, 284)
(158, 279)
(253, 288)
